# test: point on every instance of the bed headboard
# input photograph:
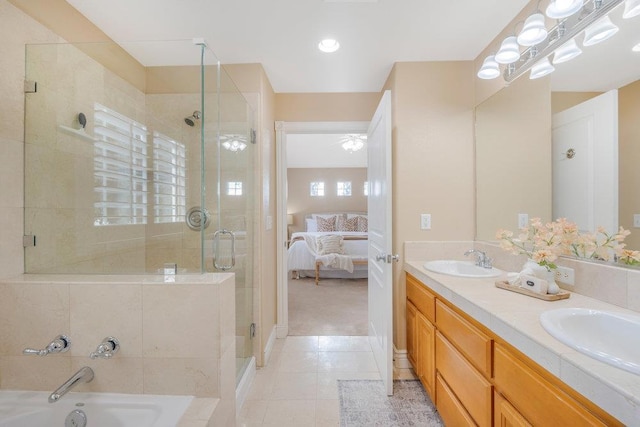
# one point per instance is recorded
(344, 221)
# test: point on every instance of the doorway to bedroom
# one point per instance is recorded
(325, 256)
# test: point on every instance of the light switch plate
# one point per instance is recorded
(425, 221)
(636, 220)
(523, 220)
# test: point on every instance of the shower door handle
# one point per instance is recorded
(216, 248)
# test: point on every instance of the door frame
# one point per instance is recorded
(282, 130)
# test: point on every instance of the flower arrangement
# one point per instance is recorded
(545, 242)
(600, 245)
(542, 243)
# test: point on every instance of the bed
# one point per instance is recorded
(333, 246)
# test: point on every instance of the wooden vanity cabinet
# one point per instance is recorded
(475, 378)
(421, 333)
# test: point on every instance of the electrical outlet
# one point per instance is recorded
(636, 220)
(565, 275)
(425, 221)
(523, 220)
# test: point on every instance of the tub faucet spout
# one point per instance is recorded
(84, 375)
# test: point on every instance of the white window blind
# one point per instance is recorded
(169, 179)
(120, 168)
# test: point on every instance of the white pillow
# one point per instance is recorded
(331, 244)
(312, 225)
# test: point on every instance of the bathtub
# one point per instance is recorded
(31, 408)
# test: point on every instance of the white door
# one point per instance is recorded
(585, 163)
(380, 242)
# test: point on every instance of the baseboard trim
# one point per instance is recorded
(242, 390)
(268, 349)
(282, 331)
(401, 359)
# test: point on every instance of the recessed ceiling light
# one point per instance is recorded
(636, 48)
(329, 45)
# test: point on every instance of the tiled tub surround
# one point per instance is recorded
(515, 318)
(175, 338)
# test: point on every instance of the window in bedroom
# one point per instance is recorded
(317, 189)
(344, 188)
(234, 188)
(365, 188)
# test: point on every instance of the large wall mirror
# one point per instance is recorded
(515, 148)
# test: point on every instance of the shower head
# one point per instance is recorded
(191, 120)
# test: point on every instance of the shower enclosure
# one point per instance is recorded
(139, 159)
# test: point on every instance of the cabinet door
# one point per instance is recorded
(425, 341)
(411, 336)
(505, 415)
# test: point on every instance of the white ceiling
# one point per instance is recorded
(322, 151)
(283, 35)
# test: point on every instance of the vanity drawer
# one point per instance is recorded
(534, 397)
(473, 343)
(450, 409)
(420, 297)
(469, 386)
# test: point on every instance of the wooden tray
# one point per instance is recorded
(503, 284)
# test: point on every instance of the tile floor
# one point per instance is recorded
(299, 385)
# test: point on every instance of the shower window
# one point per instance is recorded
(169, 182)
(120, 168)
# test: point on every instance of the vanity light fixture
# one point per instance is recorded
(559, 9)
(541, 69)
(329, 45)
(566, 52)
(593, 20)
(509, 51)
(631, 9)
(490, 68)
(534, 30)
(599, 31)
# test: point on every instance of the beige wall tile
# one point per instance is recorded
(181, 321)
(117, 375)
(98, 311)
(31, 315)
(197, 377)
(11, 251)
(34, 373)
(633, 290)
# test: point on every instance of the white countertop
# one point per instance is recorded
(515, 318)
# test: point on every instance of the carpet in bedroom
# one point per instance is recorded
(334, 307)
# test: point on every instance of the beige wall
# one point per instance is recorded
(433, 160)
(561, 101)
(513, 156)
(326, 107)
(629, 159)
(300, 203)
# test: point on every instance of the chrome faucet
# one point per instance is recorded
(59, 344)
(482, 260)
(107, 348)
(85, 375)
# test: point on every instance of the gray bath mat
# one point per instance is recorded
(365, 403)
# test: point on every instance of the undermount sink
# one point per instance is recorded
(461, 268)
(606, 336)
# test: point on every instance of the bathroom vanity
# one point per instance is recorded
(485, 360)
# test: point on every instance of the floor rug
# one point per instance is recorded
(365, 403)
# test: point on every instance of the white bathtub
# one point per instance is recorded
(31, 408)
